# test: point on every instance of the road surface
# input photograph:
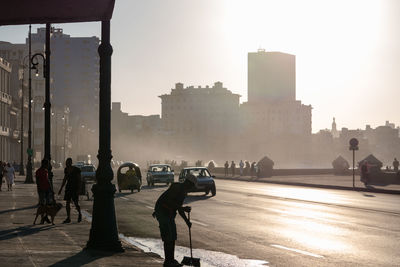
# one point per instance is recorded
(283, 225)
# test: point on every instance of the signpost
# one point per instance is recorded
(353, 146)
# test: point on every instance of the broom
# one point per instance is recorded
(190, 261)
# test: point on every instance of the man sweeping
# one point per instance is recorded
(165, 210)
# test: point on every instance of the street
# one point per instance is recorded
(283, 225)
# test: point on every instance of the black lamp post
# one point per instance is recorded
(29, 176)
(47, 104)
(21, 134)
(104, 232)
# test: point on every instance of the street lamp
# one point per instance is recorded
(29, 176)
(47, 104)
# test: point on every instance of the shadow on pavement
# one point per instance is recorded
(22, 231)
(83, 257)
(368, 195)
(19, 209)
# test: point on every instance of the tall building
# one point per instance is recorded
(271, 77)
(14, 55)
(74, 75)
(273, 121)
(203, 117)
(6, 129)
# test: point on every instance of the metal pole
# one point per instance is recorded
(64, 138)
(47, 105)
(29, 176)
(21, 164)
(354, 152)
(104, 232)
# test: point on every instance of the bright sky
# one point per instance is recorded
(347, 51)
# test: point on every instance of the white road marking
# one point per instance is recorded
(125, 198)
(149, 207)
(298, 251)
(197, 222)
(86, 215)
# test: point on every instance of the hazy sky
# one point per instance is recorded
(347, 52)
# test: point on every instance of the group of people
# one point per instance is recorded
(245, 168)
(71, 181)
(7, 171)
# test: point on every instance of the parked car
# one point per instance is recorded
(127, 182)
(159, 173)
(79, 164)
(88, 172)
(205, 181)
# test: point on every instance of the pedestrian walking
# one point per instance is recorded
(1, 173)
(165, 210)
(233, 166)
(226, 168)
(44, 189)
(365, 173)
(10, 176)
(43, 184)
(241, 166)
(253, 169)
(396, 165)
(72, 177)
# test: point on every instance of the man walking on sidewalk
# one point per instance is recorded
(72, 176)
(43, 187)
(165, 212)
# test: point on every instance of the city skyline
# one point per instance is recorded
(349, 63)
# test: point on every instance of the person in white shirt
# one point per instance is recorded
(10, 175)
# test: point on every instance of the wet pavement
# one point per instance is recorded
(328, 181)
(278, 224)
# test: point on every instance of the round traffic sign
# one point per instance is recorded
(353, 142)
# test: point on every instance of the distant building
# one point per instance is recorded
(135, 137)
(122, 122)
(14, 55)
(199, 117)
(74, 84)
(271, 77)
(7, 142)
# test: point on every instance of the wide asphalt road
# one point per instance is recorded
(284, 225)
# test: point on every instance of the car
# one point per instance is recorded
(205, 181)
(79, 164)
(88, 172)
(128, 182)
(160, 173)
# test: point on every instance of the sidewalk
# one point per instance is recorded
(25, 244)
(318, 181)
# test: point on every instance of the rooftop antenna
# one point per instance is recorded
(260, 49)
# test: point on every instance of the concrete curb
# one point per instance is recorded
(338, 187)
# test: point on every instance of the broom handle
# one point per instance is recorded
(190, 238)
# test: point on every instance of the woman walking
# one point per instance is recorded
(10, 175)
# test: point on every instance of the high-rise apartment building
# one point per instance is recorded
(208, 115)
(271, 77)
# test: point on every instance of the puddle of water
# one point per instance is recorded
(208, 258)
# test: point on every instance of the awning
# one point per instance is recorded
(14, 12)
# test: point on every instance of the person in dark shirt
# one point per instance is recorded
(43, 183)
(72, 176)
(165, 210)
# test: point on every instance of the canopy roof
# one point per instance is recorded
(14, 12)
(371, 159)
